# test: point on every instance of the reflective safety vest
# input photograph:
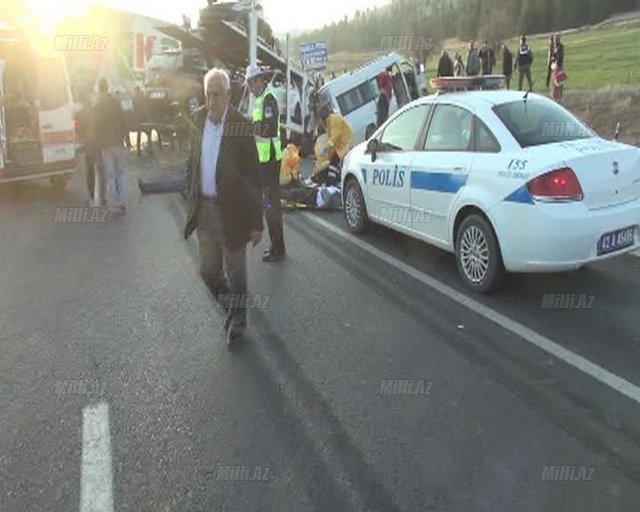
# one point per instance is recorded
(264, 143)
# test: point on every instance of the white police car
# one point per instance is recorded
(506, 182)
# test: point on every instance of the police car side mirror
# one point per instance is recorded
(373, 146)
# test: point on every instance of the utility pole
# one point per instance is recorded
(253, 33)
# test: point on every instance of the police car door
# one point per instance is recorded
(388, 182)
(441, 169)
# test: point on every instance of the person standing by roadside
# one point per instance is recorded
(458, 66)
(473, 60)
(557, 68)
(507, 64)
(550, 59)
(445, 65)
(487, 58)
(225, 198)
(92, 158)
(266, 120)
(109, 131)
(524, 60)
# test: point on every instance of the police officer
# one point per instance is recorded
(266, 120)
(524, 60)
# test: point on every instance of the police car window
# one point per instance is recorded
(537, 121)
(450, 129)
(402, 132)
(485, 141)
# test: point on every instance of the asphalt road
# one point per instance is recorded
(118, 394)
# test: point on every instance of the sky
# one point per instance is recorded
(282, 15)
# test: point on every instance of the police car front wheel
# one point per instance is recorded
(478, 254)
(355, 210)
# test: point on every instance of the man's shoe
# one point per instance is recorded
(273, 257)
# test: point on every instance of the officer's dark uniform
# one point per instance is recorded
(267, 128)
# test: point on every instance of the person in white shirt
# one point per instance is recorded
(226, 198)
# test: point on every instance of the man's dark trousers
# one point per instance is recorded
(270, 172)
(223, 270)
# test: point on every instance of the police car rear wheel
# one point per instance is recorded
(478, 255)
(355, 210)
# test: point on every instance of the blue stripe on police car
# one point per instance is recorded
(438, 181)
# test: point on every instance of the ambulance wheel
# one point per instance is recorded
(478, 255)
(60, 182)
(355, 210)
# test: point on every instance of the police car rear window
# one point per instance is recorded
(536, 122)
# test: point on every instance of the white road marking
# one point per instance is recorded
(96, 480)
(611, 380)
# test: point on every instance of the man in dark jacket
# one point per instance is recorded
(550, 58)
(225, 198)
(92, 159)
(108, 131)
(507, 64)
(558, 51)
(445, 65)
(524, 60)
(473, 60)
(487, 58)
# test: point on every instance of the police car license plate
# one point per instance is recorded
(616, 240)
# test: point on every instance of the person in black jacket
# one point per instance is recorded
(507, 64)
(92, 158)
(445, 65)
(487, 58)
(524, 60)
(109, 129)
(550, 59)
(225, 198)
(556, 66)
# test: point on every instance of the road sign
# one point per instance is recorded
(313, 55)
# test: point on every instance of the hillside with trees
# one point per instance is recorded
(442, 19)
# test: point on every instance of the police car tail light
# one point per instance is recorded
(559, 185)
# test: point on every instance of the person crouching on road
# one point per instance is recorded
(108, 132)
(266, 120)
(225, 198)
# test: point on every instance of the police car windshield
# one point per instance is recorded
(534, 122)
